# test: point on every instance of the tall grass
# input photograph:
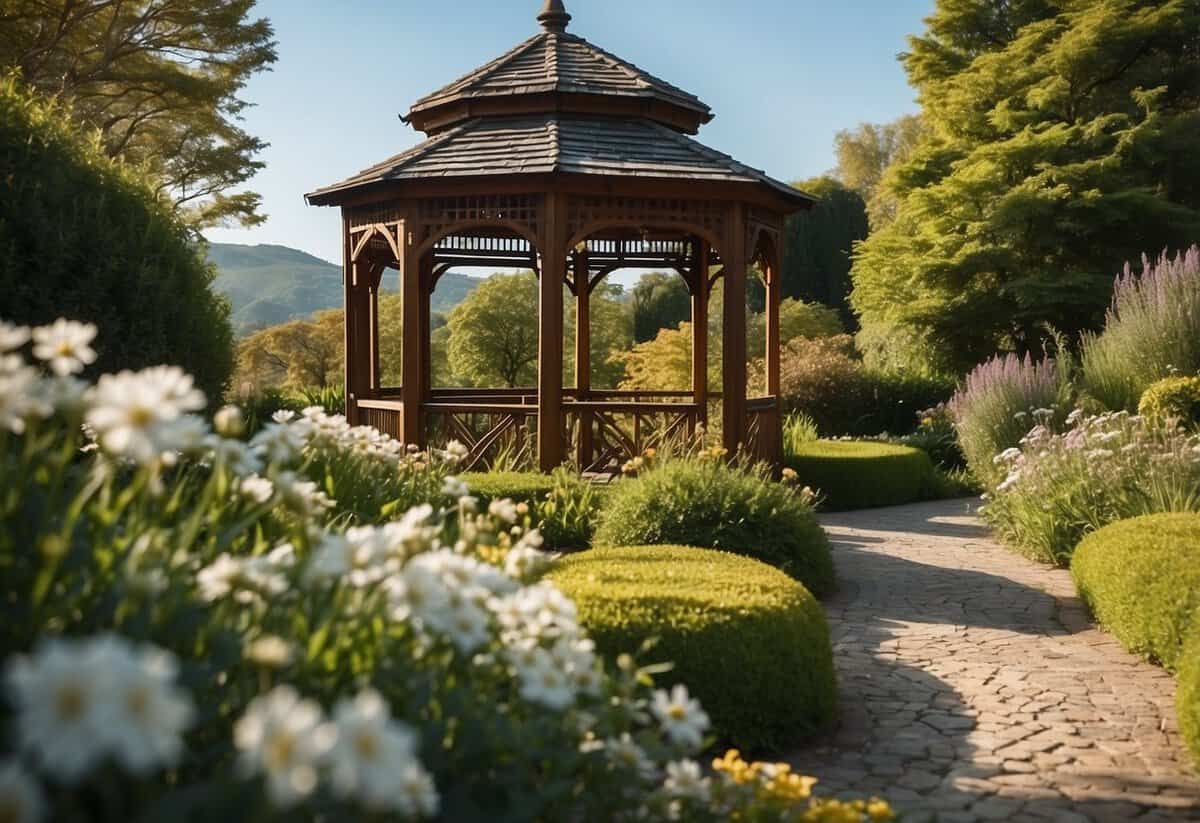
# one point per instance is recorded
(798, 429)
(1000, 401)
(1152, 331)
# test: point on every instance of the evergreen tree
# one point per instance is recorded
(1061, 142)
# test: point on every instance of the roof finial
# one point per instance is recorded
(554, 16)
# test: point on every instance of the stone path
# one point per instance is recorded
(974, 687)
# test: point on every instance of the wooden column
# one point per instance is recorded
(772, 275)
(733, 388)
(583, 353)
(348, 321)
(412, 378)
(376, 375)
(550, 332)
(699, 277)
(427, 285)
(360, 349)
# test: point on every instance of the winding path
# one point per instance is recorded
(974, 686)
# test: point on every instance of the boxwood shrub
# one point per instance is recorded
(1141, 579)
(861, 474)
(1177, 397)
(562, 505)
(520, 487)
(709, 503)
(1187, 698)
(748, 640)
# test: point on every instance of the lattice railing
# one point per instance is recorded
(487, 430)
(764, 430)
(605, 434)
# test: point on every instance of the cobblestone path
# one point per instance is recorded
(974, 687)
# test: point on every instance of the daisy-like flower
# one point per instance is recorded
(270, 651)
(256, 489)
(525, 562)
(504, 510)
(20, 393)
(280, 443)
(680, 715)
(371, 750)
(624, 752)
(237, 456)
(454, 488)
(59, 702)
(132, 413)
(145, 713)
(21, 798)
(301, 497)
(283, 737)
(229, 421)
(542, 681)
(12, 337)
(684, 780)
(65, 346)
(417, 795)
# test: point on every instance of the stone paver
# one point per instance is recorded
(975, 688)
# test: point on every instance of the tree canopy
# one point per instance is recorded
(160, 81)
(818, 245)
(1060, 143)
(661, 300)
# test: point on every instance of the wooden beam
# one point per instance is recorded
(347, 322)
(733, 362)
(412, 363)
(583, 353)
(428, 283)
(700, 291)
(550, 332)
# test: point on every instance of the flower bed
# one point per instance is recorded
(858, 474)
(748, 640)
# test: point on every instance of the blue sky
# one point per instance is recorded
(783, 77)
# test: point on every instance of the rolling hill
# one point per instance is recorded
(274, 284)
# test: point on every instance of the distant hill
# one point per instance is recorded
(268, 284)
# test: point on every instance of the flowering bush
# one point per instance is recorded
(1152, 331)
(1173, 397)
(997, 405)
(198, 627)
(1060, 486)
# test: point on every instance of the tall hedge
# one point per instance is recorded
(84, 237)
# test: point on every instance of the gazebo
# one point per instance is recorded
(561, 158)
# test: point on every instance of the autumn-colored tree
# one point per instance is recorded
(297, 354)
(864, 156)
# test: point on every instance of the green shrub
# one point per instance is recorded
(798, 429)
(1187, 698)
(1103, 469)
(562, 505)
(86, 237)
(750, 642)
(1141, 579)
(709, 503)
(1152, 331)
(1174, 397)
(860, 474)
(520, 487)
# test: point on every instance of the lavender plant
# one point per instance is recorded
(1061, 486)
(997, 403)
(1152, 331)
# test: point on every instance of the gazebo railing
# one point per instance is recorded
(764, 428)
(487, 429)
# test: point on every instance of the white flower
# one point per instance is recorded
(237, 456)
(256, 489)
(456, 453)
(249, 579)
(358, 558)
(283, 737)
(65, 394)
(504, 510)
(20, 394)
(147, 712)
(371, 750)
(270, 651)
(59, 702)
(544, 682)
(229, 422)
(681, 717)
(21, 798)
(65, 346)
(280, 443)
(12, 337)
(684, 780)
(1006, 456)
(132, 412)
(302, 496)
(525, 562)
(416, 794)
(283, 416)
(626, 753)
(455, 488)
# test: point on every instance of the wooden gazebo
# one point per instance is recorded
(561, 158)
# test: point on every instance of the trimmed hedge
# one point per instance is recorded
(1187, 698)
(1173, 397)
(709, 503)
(520, 487)
(1141, 579)
(862, 474)
(746, 639)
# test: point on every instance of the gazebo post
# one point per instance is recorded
(733, 361)
(700, 290)
(426, 327)
(583, 352)
(359, 350)
(773, 274)
(412, 360)
(550, 332)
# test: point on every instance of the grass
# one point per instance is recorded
(859, 474)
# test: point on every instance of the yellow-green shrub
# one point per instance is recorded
(748, 640)
(1173, 397)
(1141, 579)
(860, 474)
(1187, 698)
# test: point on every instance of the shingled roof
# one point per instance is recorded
(554, 61)
(549, 143)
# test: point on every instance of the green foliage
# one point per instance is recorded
(86, 237)
(865, 155)
(1059, 141)
(856, 474)
(1104, 469)
(818, 244)
(1151, 332)
(937, 437)
(699, 501)
(520, 487)
(1000, 401)
(1187, 696)
(1174, 397)
(1141, 579)
(562, 506)
(159, 82)
(798, 430)
(752, 643)
(661, 300)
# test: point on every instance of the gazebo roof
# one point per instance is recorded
(549, 143)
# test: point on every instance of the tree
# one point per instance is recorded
(611, 330)
(1061, 143)
(818, 245)
(159, 80)
(294, 355)
(494, 332)
(865, 155)
(84, 237)
(661, 300)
